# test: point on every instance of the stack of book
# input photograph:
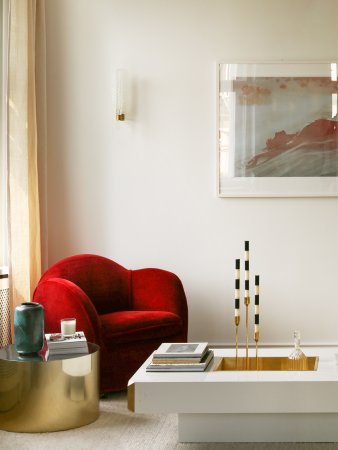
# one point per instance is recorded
(63, 346)
(181, 357)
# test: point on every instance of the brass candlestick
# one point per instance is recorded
(247, 303)
(256, 340)
(237, 320)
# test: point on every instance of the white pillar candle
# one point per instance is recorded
(68, 326)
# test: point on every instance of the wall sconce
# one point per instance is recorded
(120, 94)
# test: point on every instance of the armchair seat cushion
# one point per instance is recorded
(135, 326)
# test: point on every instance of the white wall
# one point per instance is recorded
(143, 192)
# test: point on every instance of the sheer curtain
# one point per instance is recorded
(25, 138)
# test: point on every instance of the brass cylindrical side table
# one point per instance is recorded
(39, 396)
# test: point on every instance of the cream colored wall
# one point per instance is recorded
(143, 192)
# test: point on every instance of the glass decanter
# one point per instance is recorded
(297, 352)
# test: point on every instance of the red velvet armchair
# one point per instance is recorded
(129, 313)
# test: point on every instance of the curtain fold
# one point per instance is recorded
(26, 73)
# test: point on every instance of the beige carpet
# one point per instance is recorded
(119, 429)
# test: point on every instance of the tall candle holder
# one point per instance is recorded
(246, 296)
(257, 315)
(237, 301)
(247, 302)
(295, 361)
(237, 320)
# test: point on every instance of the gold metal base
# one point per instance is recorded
(237, 321)
(40, 396)
(256, 341)
(131, 397)
(247, 303)
(273, 363)
(120, 117)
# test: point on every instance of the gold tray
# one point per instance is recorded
(267, 363)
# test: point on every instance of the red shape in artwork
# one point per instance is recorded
(322, 134)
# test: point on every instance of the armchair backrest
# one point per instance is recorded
(106, 283)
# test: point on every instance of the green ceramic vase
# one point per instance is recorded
(28, 328)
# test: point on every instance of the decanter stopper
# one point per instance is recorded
(297, 351)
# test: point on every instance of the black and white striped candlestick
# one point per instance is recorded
(247, 270)
(237, 300)
(256, 307)
(247, 294)
(237, 292)
(256, 312)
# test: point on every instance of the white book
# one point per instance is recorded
(65, 354)
(67, 351)
(58, 341)
(170, 350)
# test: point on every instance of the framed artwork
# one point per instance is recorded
(277, 129)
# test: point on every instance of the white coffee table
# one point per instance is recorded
(245, 406)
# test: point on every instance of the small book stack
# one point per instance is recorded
(63, 346)
(181, 357)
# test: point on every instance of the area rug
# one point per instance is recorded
(119, 429)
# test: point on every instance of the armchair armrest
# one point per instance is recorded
(159, 290)
(62, 298)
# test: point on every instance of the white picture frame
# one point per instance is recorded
(276, 127)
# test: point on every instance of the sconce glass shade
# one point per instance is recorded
(120, 94)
